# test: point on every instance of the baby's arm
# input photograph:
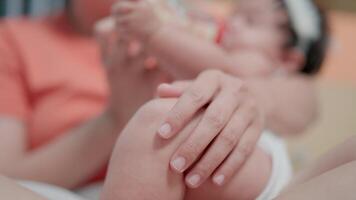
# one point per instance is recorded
(187, 55)
(277, 94)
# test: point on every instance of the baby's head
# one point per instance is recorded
(293, 33)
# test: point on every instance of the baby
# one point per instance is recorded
(255, 41)
(261, 38)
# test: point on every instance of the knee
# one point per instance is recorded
(153, 112)
(141, 131)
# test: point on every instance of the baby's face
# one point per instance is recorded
(257, 26)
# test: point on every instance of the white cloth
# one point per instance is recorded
(91, 192)
(281, 166)
(49, 191)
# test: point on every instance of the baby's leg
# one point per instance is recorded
(139, 168)
(248, 183)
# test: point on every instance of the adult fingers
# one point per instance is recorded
(222, 146)
(215, 118)
(239, 155)
(192, 100)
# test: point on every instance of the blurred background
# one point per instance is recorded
(11, 8)
(336, 85)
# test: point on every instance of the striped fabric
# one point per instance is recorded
(33, 8)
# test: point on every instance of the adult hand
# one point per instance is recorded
(227, 134)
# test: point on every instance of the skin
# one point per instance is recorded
(249, 113)
(339, 156)
(182, 113)
(17, 162)
(331, 177)
(275, 97)
(231, 125)
(257, 51)
(335, 184)
(149, 176)
(133, 17)
(239, 129)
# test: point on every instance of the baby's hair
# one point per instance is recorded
(314, 49)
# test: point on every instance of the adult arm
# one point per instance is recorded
(341, 155)
(338, 183)
(331, 177)
(78, 154)
(67, 161)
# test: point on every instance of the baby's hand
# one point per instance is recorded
(136, 18)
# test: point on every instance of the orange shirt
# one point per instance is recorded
(50, 77)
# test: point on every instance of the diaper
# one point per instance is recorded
(50, 192)
(281, 166)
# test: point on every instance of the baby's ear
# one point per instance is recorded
(293, 60)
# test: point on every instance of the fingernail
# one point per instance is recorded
(194, 180)
(179, 164)
(165, 131)
(219, 180)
